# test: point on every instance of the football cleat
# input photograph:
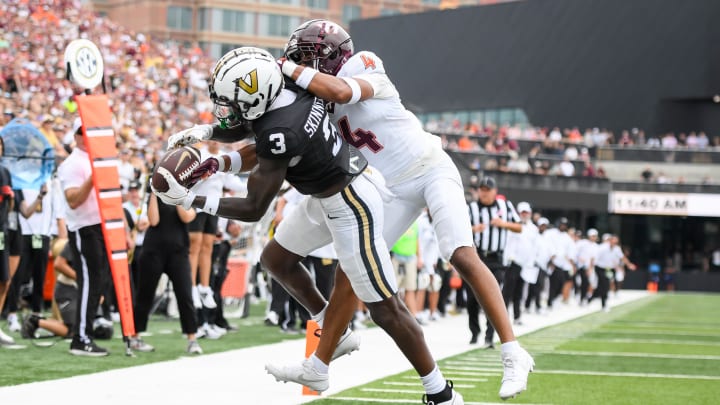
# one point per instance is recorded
(516, 367)
(303, 374)
(348, 343)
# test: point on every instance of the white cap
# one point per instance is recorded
(524, 207)
(543, 221)
(77, 123)
(592, 232)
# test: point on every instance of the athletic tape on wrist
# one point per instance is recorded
(306, 77)
(188, 200)
(288, 68)
(211, 204)
(235, 162)
(221, 163)
(355, 87)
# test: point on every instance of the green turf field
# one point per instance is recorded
(660, 350)
(663, 349)
(30, 363)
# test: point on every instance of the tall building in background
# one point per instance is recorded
(221, 25)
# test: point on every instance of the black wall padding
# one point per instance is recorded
(586, 63)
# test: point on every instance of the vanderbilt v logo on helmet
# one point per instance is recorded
(244, 83)
(249, 83)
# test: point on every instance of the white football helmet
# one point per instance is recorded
(244, 82)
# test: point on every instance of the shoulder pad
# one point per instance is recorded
(362, 62)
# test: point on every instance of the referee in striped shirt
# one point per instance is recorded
(492, 218)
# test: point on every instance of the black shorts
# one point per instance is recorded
(14, 242)
(204, 223)
(66, 297)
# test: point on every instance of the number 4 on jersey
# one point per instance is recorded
(358, 138)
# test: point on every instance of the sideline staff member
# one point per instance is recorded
(87, 242)
(491, 217)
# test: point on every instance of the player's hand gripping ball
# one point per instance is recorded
(180, 163)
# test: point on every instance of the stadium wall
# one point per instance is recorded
(652, 64)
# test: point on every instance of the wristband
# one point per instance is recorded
(306, 77)
(288, 68)
(188, 200)
(211, 205)
(355, 87)
(235, 162)
(221, 163)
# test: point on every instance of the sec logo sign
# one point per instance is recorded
(84, 63)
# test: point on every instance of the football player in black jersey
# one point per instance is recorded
(295, 141)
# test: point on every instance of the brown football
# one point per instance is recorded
(180, 162)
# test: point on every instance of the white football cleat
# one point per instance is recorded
(348, 343)
(303, 374)
(517, 365)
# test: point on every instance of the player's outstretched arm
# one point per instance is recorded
(328, 87)
(199, 133)
(264, 183)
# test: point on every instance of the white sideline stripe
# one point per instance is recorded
(630, 354)
(627, 374)
(411, 384)
(407, 401)
(418, 392)
(479, 367)
(408, 377)
(654, 341)
(470, 373)
(653, 325)
(657, 332)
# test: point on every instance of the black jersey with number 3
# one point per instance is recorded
(302, 133)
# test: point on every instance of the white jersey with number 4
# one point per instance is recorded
(390, 137)
(416, 168)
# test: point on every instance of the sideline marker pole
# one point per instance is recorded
(312, 339)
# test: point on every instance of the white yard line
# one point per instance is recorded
(627, 374)
(629, 354)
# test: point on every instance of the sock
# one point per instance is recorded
(320, 316)
(318, 364)
(508, 347)
(434, 383)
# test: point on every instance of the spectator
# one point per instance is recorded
(647, 174)
(6, 201)
(669, 141)
(702, 141)
(520, 260)
(406, 260)
(566, 168)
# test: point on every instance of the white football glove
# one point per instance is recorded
(176, 193)
(190, 136)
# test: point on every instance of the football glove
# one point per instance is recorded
(206, 169)
(176, 193)
(190, 136)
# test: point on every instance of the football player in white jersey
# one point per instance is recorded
(367, 110)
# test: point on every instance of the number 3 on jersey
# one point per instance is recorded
(279, 140)
(358, 138)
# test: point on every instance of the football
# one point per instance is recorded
(180, 162)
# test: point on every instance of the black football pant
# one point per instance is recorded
(535, 291)
(495, 265)
(91, 265)
(176, 264)
(512, 289)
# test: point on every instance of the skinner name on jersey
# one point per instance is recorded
(317, 112)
